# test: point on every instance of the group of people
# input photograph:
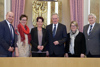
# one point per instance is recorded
(52, 41)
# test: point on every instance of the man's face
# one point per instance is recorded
(91, 19)
(55, 19)
(10, 17)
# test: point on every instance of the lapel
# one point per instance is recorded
(43, 35)
(7, 28)
(87, 30)
(57, 29)
(51, 26)
(36, 33)
(93, 28)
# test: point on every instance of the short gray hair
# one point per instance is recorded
(55, 14)
(91, 14)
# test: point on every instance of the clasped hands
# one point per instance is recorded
(56, 42)
(40, 47)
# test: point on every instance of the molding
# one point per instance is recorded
(7, 7)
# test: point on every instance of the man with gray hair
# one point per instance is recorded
(57, 35)
(92, 36)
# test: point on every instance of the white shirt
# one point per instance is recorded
(89, 28)
(10, 28)
(54, 26)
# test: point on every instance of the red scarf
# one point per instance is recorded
(23, 30)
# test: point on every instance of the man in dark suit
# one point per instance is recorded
(7, 36)
(92, 36)
(57, 35)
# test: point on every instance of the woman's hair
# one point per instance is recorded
(23, 15)
(75, 23)
(40, 18)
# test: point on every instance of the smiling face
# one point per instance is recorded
(10, 17)
(91, 19)
(73, 27)
(23, 21)
(39, 23)
(55, 19)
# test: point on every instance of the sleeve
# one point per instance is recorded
(64, 36)
(3, 43)
(32, 38)
(83, 46)
(46, 39)
(67, 44)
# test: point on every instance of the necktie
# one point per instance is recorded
(54, 30)
(11, 31)
(90, 29)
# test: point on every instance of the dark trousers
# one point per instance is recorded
(38, 54)
(3, 55)
(90, 55)
(54, 55)
(8, 55)
(73, 55)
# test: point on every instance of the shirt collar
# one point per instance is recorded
(56, 24)
(8, 22)
(92, 25)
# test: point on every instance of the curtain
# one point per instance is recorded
(76, 12)
(17, 8)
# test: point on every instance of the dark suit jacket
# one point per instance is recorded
(61, 36)
(34, 41)
(5, 38)
(79, 44)
(92, 40)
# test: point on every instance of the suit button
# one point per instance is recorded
(88, 39)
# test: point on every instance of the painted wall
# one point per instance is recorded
(65, 13)
(1, 10)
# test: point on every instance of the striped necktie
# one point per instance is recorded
(54, 30)
(90, 29)
(12, 36)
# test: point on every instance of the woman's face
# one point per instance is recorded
(73, 27)
(39, 23)
(23, 21)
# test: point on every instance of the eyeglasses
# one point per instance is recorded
(73, 26)
(23, 20)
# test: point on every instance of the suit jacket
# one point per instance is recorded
(34, 36)
(92, 40)
(61, 36)
(79, 44)
(5, 38)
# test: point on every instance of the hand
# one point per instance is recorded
(41, 47)
(66, 54)
(47, 53)
(10, 49)
(82, 56)
(16, 52)
(56, 42)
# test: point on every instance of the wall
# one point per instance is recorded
(1, 10)
(65, 12)
(94, 8)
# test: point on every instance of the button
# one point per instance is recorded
(88, 39)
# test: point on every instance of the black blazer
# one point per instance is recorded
(5, 38)
(34, 36)
(61, 36)
(79, 44)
